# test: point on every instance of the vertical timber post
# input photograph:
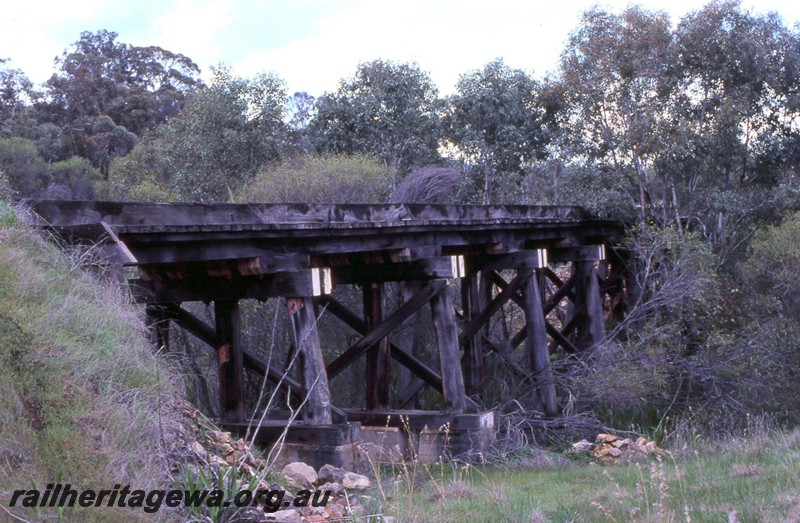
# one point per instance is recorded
(230, 361)
(536, 345)
(591, 328)
(444, 324)
(158, 327)
(315, 379)
(378, 356)
(412, 335)
(485, 296)
(473, 354)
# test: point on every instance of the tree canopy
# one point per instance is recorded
(388, 110)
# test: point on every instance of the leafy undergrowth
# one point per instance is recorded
(83, 400)
(756, 478)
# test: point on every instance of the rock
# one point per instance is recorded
(285, 516)
(218, 461)
(198, 448)
(300, 475)
(336, 488)
(354, 481)
(602, 450)
(331, 474)
(606, 438)
(582, 446)
(222, 437)
(614, 452)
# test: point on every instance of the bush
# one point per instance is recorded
(143, 175)
(76, 176)
(320, 179)
(431, 184)
(24, 169)
(773, 266)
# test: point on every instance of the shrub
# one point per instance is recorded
(320, 179)
(77, 176)
(24, 169)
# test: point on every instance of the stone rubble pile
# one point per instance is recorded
(347, 500)
(608, 448)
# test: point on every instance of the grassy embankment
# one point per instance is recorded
(82, 399)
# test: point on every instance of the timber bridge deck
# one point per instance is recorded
(224, 253)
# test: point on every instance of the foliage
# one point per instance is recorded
(301, 109)
(602, 192)
(772, 267)
(26, 172)
(106, 93)
(226, 132)
(320, 179)
(6, 192)
(145, 174)
(137, 87)
(30, 176)
(695, 119)
(15, 88)
(496, 122)
(210, 478)
(387, 110)
(76, 177)
(8, 215)
(431, 185)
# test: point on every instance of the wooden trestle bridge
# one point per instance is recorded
(225, 253)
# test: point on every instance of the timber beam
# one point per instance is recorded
(429, 376)
(309, 282)
(229, 361)
(475, 324)
(426, 269)
(525, 259)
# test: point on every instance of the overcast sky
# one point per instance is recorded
(311, 44)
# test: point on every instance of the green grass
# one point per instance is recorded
(756, 477)
(82, 398)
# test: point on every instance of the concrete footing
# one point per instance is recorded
(374, 437)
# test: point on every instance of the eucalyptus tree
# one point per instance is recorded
(694, 119)
(105, 93)
(616, 80)
(387, 110)
(496, 121)
(225, 133)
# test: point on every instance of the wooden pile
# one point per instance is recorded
(609, 448)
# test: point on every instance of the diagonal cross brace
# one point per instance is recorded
(390, 323)
(551, 303)
(207, 335)
(506, 294)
